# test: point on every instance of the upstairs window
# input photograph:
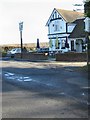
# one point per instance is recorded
(60, 27)
(53, 25)
(55, 14)
(56, 27)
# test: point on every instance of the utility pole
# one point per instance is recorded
(20, 29)
(87, 27)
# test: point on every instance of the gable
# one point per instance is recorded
(54, 15)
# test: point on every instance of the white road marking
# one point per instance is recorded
(13, 76)
(8, 73)
(25, 77)
(19, 80)
(62, 93)
(83, 94)
(26, 80)
(86, 87)
(49, 84)
(88, 103)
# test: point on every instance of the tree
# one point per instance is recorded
(87, 8)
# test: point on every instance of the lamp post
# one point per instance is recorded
(20, 29)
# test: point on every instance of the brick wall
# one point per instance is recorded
(31, 56)
(71, 57)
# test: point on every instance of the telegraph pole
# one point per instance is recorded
(20, 29)
(87, 27)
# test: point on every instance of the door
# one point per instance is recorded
(72, 45)
(79, 46)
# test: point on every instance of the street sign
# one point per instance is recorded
(20, 29)
(20, 26)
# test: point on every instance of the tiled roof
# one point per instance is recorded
(78, 31)
(70, 16)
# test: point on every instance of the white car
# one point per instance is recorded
(13, 51)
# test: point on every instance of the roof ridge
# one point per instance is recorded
(69, 10)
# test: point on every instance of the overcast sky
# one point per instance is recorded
(33, 13)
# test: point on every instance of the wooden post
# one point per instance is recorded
(21, 43)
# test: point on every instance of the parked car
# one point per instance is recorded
(12, 52)
(43, 50)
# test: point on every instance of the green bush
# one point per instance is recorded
(4, 54)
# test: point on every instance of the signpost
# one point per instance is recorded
(20, 29)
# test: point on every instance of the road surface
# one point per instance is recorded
(44, 90)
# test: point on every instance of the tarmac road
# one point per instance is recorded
(43, 90)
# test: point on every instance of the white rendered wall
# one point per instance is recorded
(61, 27)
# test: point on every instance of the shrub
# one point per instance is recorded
(4, 54)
